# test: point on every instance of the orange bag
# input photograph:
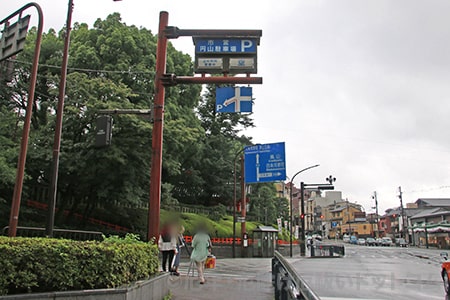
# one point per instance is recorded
(210, 262)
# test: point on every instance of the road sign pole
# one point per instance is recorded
(243, 206)
(15, 205)
(58, 129)
(302, 203)
(157, 134)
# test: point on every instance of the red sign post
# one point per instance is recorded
(162, 79)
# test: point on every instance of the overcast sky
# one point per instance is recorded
(359, 87)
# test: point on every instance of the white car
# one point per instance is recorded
(361, 241)
(346, 239)
(386, 241)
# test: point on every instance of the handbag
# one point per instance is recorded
(210, 262)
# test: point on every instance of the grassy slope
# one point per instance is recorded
(220, 228)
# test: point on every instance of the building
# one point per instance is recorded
(296, 200)
(340, 217)
(430, 226)
(425, 222)
(315, 219)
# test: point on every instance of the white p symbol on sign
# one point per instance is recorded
(246, 44)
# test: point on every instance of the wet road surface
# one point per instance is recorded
(375, 273)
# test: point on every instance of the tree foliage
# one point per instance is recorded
(111, 66)
(266, 206)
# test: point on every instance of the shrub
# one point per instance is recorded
(43, 264)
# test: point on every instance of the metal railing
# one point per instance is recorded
(79, 235)
(287, 282)
(321, 250)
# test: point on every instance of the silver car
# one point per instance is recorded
(386, 241)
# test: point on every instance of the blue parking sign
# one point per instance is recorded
(234, 99)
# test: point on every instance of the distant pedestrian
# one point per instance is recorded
(167, 244)
(201, 244)
(180, 243)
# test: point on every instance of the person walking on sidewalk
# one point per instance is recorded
(167, 244)
(180, 243)
(201, 244)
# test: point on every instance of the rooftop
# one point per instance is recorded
(433, 202)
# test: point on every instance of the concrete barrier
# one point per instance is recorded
(153, 288)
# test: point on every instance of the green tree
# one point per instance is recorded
(111, 65)
(265, 204)
(208, 168)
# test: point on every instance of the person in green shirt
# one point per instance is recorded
(201, 244)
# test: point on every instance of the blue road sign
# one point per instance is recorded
(229, 46)
(333, 224)
(265, 163)
(233, 99)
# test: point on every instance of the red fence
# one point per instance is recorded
(44, 206)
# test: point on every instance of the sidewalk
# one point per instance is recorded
(237, 278)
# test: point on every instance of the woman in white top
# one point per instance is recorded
(167, 244)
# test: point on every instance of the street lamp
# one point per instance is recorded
(234, 200)
(317, 186)
(290, 206)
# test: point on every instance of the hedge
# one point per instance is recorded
(43, 264)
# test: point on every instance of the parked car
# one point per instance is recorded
(353, 240)
(346, 239)
(379, 242)
(445, 269)
(317, 237)
(386, 241)
(371, 242)
(361, 241)
(401, 242)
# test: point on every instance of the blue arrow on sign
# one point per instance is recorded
(265, 163)
(233, 99)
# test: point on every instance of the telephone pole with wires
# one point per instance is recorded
(402, 212)
(376, 213)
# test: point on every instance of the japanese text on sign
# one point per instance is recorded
(226, 46)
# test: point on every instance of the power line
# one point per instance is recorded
(148, 94)
(86, 70)
(442, 187)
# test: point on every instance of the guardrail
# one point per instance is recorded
(80, 235)
(287, 282)
(321, 250)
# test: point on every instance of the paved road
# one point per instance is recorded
(375, 273)
(231, 279)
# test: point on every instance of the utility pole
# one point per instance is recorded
(402, 212)
(58, 128)
(348, 218)
(376, 213)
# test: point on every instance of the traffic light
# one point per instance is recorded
(321, 216)
(394, 215)
(302, 216)
(104, 131)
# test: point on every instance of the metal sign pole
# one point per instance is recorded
(15, 206)
(243, 207)
(157, 134)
